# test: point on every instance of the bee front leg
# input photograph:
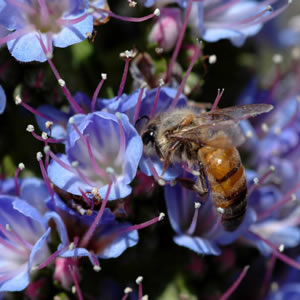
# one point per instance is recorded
(200, 185)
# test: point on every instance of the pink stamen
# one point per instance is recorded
(120, 157)
(152, 169)
(124, 77)
(46, 179)
(286, 198)
(88, 235)
(139, 226)
(215, 227)
(48, 140)
(193, 225)
(155, 102)
(52, 257)
(15, 237)
(60, 162)
(16, 34)
(261, 180)
(128, 19)
(22, 6)
(85, 139)
(125, 296)
(185, 77)
(87, 200)
(217, 100)
(75, 276)
(231, 290)
(221, 8)
(66, 92)
(49, 42)
(95, 261)
(179, 40)
(13, 248)
(43, 11)
(66, 22)
(96, 93)
(268, 277)
(289, 261)
(138, 105)
(140, 291)
(16, 180)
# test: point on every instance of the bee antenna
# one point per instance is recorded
(141, 118)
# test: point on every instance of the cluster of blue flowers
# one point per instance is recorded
(93, 167)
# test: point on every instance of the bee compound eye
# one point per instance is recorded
(148, 136)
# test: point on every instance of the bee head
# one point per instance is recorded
(149, 135)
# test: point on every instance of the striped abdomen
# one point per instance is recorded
(228, 188)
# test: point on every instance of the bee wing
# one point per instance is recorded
(220, 134)
(241, 112)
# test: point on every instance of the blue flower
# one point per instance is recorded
(2, 100)
(196, 225)
(60, 22)
(107, 149)
(23, 243)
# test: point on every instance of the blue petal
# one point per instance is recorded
(27, 210)
(198, 245)
(2, 100)
(78, 252)
(17, 283)
(74, 34)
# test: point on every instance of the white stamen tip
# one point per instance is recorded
(249, 134)
(132, 3)
(277, 58)
(82, 211)
(118, 115)
(281, 248)
(104, 76)
(161, 182)
(220, 210)
(61, 82)
(90, 10)
(110, 170)
(34, 268)
(272, 168)
(71, 120)
(296, 53)
(139, 280)
(94, 191)
(290, 1)
(212, 59)
(73, 289)
(44, 135)
(30, 128)
(48, 124)
(18, 100)
(8, 227)
(157, 12)
(255, 180)
(97, 268)
(269, 8)
(161, 216)
(145, 297)
(161, 82)
(274, 287)
(293, 197)
(49, 55)
(46, 149)
(264, 127)
(196, 173)
(75, 164)
(197, 205)
(71, 246)
(39, 156)
(128, 290)
(21, 166)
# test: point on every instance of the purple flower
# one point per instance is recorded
(197, 224)
(23, 243)
(60, 22)
(101, 148)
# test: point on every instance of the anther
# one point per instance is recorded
(212, 59)
(197, 205)
(90, 10)
(157, 12)
(277, 58)
(49, 55)
(73, 289)
(145, 297)
(128, 290)
(30, 128)
(61, 82)
(132, 3)
(274, 287)
(161, 182)
(255, 180)
(118, 115)
(161, 216)
(48, 124)
(21, 166)
(71, 246)
(39, 156)
(18, 100)
(75, 164)
(220, 210)
(8, 227)
(296, 53)
(34, 268)
(293, 197)
(281, 248)
(264, 127)
(110, 170)
(269, 8)
(46, 149)
(71, 120)
(139, 280)
(97, 268)
(249, 134)
(161, 82)
(104, 76)
(44, 135)
(272, 168)
(94, 191)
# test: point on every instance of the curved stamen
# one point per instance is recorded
(155, 101)
(75, 276)
(138, 106)
(96, 93)
(17, 187)
(193, 225)
(120, 156)
(124, 76)
(217, 100)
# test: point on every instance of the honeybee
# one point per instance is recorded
(206, 142)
